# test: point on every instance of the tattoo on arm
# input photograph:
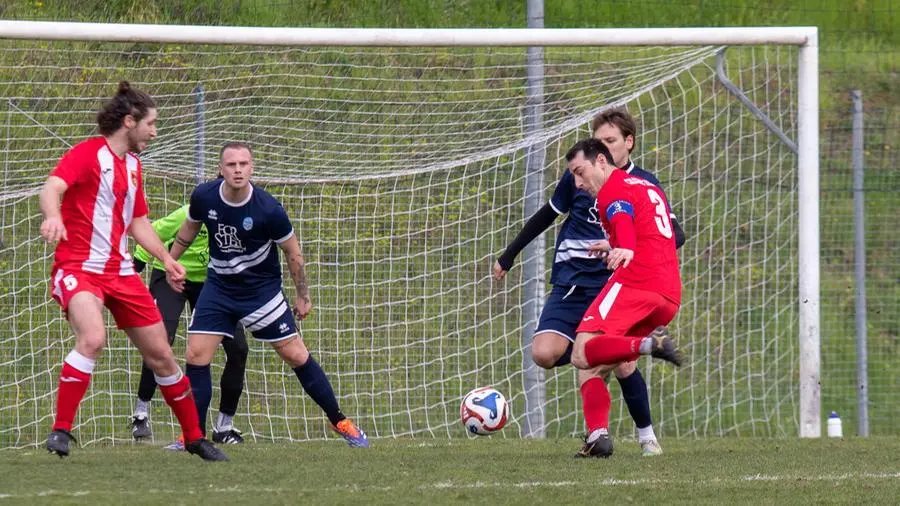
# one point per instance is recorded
(298, 273)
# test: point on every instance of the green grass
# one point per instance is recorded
(426, 471)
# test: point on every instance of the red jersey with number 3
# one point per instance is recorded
(104, 194)
(655, 264)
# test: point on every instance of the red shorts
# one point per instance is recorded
(625, 311)
(126, 297)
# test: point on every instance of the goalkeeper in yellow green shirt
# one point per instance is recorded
(171, 305)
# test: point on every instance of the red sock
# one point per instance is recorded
(595, 397)
(608, 350)
(73, 384)
(180, 398)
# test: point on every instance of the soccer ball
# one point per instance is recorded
(484, 411)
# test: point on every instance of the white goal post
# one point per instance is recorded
(806, 184)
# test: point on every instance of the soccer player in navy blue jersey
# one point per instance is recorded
(578, 277)
(247, 226)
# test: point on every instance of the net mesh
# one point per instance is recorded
(404, 174)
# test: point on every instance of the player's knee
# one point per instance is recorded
(579, 360)
(159, 355)
(293, 351)
(601, 372)
(548, 348)
(197, 355)
(91, 344)
(544, 357)
(161, 361)
(194, 356)
(579, 356)
(625, 369)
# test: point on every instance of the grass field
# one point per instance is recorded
(483, 471)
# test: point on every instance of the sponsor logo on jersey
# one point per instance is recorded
(228, 240)
(213, 215)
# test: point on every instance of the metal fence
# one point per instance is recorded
(864, 309)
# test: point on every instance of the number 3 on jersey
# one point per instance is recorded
(662, 214)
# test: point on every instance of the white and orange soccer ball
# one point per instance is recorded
(484, 411)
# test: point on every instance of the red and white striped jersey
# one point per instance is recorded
(104, 193)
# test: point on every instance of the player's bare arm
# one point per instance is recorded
(296, 264)
(185, 237)
(52, 228)
(144, 234)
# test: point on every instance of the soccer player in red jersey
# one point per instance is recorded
(628, 318)
(91, 201)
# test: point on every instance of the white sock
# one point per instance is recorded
(80, 362)
(596, 435)
(142, 410)
(223, 423)
(646, 434)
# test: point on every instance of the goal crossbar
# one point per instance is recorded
(406, 37)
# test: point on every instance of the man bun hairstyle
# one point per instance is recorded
(619, 118)
(127, 101)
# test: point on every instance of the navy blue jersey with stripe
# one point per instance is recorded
(243, 239)
(572, 266)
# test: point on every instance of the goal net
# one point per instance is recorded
(404, 173)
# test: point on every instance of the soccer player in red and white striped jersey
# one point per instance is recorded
(91, 202)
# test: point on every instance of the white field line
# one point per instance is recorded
(446, 485)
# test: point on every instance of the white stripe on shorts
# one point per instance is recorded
(608, 300)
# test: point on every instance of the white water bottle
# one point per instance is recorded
(834, 425)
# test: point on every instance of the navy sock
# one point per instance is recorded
(318, 387)
(634, 390)
(201, 384)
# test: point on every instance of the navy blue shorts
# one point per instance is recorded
(268, 317)
(563, 311)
